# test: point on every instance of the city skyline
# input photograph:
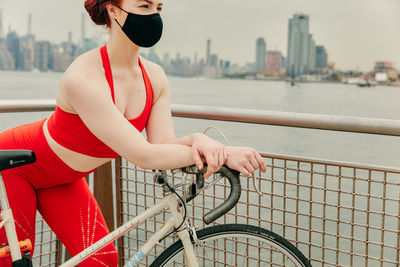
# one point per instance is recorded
(364, 33)
(306, 61)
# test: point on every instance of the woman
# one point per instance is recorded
(106, 98)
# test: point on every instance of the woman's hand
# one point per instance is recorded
(245, 160)
(205, 149)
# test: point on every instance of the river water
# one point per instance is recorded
(318, 98)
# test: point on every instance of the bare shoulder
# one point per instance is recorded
(157, 77)
(84, 73)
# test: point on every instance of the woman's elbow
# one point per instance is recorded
(145, 159)
(145, 165)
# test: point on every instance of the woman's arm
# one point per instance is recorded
(204, 149)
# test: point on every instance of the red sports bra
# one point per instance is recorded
(68, 129)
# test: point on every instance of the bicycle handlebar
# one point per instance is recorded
(230, 202)
(233, 198)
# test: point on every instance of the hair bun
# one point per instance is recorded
(97, 11)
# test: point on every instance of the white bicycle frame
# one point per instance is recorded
(168, 203)
(8, 223)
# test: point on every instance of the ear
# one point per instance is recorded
(112, 10)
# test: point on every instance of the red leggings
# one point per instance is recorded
(59, 193)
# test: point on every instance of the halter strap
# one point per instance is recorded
(107, 70)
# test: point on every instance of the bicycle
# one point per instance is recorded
(260, 246)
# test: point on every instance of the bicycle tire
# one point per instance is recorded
(249, 232)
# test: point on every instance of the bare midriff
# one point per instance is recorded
(77, 161)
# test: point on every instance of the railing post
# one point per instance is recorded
(118, 199)
(102, 183)
(59, 255)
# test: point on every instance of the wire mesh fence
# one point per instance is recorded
(46, 245)
(337, 214)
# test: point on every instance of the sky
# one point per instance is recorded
(356, 33)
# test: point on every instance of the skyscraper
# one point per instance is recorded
(208, 52)
(311, 54)
(261, 55)
(274, 61)
(321, 58)
(213, 60)
(15, 48)
(42, 57)
(28, 52)
(300, 43)
(6, 59)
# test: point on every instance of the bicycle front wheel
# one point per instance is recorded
(236, 245)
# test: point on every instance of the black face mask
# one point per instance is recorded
(143, 30)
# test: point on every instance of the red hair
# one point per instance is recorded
(98, 12)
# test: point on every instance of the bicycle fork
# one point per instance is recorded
(184, 236)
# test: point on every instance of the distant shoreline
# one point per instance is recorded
(245, 78)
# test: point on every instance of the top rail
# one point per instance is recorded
(302, 120)
(266, 117)
(27, 105)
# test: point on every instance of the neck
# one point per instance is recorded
(121, 51)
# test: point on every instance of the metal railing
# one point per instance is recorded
(338, 214)
(266, 117)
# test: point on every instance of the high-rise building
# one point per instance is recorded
(274, 62)
(214, 60)
(67, 48)
(28, 52)
(311, 54)
(261, 55)
(15, 48)
(61, 58)
(50, 57)
(42, 58)
(212, 70)
(208, 53)
(300, 43)
(6, 59)
(321, 57)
